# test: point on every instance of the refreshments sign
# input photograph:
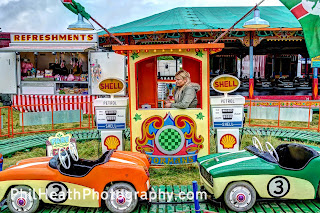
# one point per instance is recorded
(111, 85)
(225, 83)
(53, 38)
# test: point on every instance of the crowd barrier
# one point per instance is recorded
(289, 114)
(13, 119)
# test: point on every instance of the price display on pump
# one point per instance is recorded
(227, 117)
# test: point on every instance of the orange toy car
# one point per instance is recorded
(117, 178)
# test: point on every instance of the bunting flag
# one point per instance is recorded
(66, 1)
(308, 14)
(76, 8)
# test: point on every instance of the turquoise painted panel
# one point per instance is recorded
(286, 114)
(59, 117)
(195, 18)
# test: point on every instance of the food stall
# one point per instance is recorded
(51, 68)
(168, 135)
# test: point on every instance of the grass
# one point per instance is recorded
(88, 150)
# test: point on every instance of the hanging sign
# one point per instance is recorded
(111, 85)
(53, 38)
(225, 83)
(315, 62)
(60, 140)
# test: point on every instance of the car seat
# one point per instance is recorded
(295, 156)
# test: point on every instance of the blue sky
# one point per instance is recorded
(50, 16)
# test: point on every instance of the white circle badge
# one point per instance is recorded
(57, 192)
(278, 186)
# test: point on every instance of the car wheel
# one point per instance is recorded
(121, 198)
(240, 196)
(22, 199)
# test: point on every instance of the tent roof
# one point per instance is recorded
(200, 18)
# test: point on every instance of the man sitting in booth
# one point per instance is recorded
(186, 93)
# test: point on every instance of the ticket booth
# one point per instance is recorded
(169, 136)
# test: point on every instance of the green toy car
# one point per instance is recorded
(291, 171)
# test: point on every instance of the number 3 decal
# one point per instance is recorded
(278, 186)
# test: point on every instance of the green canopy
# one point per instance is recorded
(197, 18)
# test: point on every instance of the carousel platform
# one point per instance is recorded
(165, 205)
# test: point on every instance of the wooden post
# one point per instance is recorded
(315, 90)
(251, 80)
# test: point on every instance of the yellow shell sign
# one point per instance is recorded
(112, 142)
(111, 85)
(228, 141)
(225, 83)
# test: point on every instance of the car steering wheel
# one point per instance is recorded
(257, 144)
(272, 151)
(64, 157)
(73, 151)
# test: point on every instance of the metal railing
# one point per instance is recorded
(283, 123)
(14, 121)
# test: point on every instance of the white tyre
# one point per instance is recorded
(121, 198)
(22, 199)
(240, 196)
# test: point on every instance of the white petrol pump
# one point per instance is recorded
(108, 78)
(111, 120)
(227, 113)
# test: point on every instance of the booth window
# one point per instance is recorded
(156, 79)
(68, 71)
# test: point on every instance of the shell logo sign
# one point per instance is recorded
(111, 85)
(228, 141)
(225, 83)
(112, 142)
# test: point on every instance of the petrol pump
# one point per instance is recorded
(111, 114)
(227, 113)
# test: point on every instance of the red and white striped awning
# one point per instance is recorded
(44, 103)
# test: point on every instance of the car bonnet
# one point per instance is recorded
(218, 162)
(124, 157)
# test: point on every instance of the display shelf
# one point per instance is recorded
(57, 82)
(72, 82)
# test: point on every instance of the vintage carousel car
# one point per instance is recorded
(302, 83)
(244, 84)
(117, 179)
(284, 83)
(263, 83)
(291, 171)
